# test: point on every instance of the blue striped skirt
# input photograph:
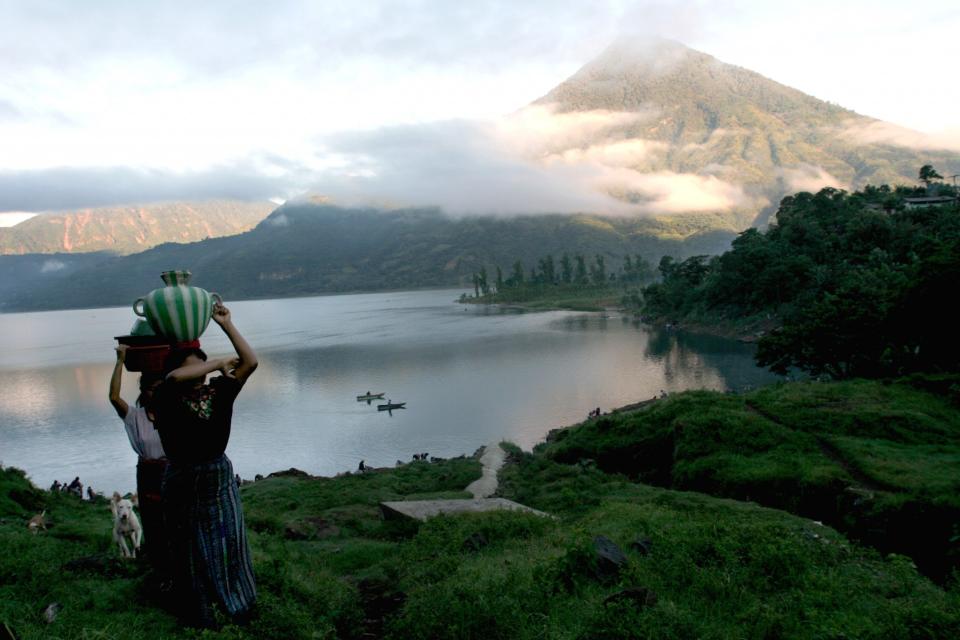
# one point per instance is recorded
(208, 546)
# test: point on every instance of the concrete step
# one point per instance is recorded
(424, 509)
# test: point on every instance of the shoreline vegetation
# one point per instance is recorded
(804, 509)
(841, 284)
(570, 300)
(571, 282)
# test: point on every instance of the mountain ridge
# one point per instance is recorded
(130, 229)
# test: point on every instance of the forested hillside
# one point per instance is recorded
(304, 249)
(856, 283)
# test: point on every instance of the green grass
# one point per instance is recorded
(933, 469)
(879, 460)
(863, 409)
(328, 566)
(723, 568)
(305, 577)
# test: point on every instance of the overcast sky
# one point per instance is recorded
(105, 102)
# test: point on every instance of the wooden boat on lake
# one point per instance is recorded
(367, 397)
(390, 406)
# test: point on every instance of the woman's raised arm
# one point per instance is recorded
(248, 358)
(118, 403)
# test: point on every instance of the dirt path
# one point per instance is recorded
(486, 485)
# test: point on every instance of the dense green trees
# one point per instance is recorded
(859, 284)
(575, 274)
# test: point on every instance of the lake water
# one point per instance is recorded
(470, 376)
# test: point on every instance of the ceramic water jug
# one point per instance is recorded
(177, 311)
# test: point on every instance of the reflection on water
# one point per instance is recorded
(470, 376)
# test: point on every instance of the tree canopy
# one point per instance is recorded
(858, 283)
(928, 174)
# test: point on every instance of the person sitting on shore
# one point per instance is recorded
(55, 486)
(76, 487)
(138, 421)
(202, 509)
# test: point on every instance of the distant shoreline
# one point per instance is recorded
(13, 311)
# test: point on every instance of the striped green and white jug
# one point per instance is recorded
(177, 311)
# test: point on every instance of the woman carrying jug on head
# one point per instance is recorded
(202, 511)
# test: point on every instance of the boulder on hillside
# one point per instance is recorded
(609, 559)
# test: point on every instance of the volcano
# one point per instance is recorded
(693, 122)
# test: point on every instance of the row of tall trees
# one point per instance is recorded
(570, 271)
(860, 288)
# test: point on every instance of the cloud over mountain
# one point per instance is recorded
(647, 127)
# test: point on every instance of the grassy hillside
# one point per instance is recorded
(878, 461)
(693, 565)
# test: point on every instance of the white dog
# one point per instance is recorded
(38, 522)
(126, 524)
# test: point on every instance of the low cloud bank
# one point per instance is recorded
(457, 166)
(806, 177)
(52, 266)
(533, 161)
(536, 160)
(878, 132)
(667, 192)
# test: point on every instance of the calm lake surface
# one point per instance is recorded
(470, 376)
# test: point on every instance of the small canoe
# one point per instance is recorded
(370, 396)
(391, 406)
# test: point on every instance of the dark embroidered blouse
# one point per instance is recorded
(194, 422)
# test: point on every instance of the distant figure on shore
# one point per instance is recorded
(76, 487)
(663, 394)
(90, 494)
(361, 467)
(138, 422)
(201, 504)
(55, 486)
